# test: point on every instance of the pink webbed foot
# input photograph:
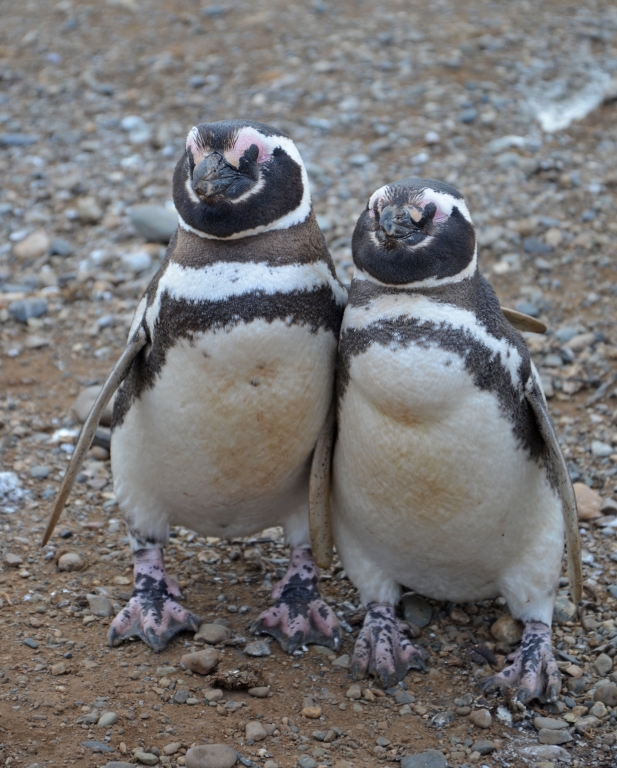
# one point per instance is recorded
(531, 669)
(384, 649)
(299, 615)
(152, 614)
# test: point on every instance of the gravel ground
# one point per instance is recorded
(95, 102)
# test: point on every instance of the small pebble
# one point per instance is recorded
(260, 692)
(607, 694)
(23, 309)
(342, 662)
(431, 758)
(603, 664)
(307, 762)
(311, 712)
(548, 722)
(107, 719)
(588, 502)
(146, 758)
(212, 634)
(32, 247)
(481, 717)
(416, 610)
(88, 210)
(60, 247)
(13, 561)
(564, 609)
(100, 605)
(39, 472)
(201, 662)
(211, 756)
(598, 710)
(172, 748)
(507, 629)
(354, 692)
(484, 747)
(70, 561)
(258, 648)
(254, 730)
(154, 222)
(214, 695)
(554, 737)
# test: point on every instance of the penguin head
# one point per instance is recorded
(415, 232)
(239, 178)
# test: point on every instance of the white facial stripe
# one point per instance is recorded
(225, 279)
(446, 202)
(188, 185)
(391, 307)
(193, 144)
(377, 195)
(429, 282)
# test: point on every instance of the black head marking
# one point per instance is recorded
(414, 230)
(237, 177)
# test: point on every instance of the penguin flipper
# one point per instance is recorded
(320, 519)
(533, 395)
(114, 380)
(523, 322)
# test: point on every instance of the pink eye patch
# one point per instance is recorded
(440, 215)
(243, 142)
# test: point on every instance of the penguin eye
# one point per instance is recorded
(248, 162)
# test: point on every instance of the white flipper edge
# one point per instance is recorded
(523, 322)
(568, 499)
(320, 518)
(86, 436)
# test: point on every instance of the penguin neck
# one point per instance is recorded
(300, 243)
(462, 293)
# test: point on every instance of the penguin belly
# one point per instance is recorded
(431, 489)
(222, 442)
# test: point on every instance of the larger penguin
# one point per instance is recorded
(227, 381)
(447, 475)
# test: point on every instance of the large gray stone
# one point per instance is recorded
(84, 402)
(432, 758)
(554, 737)
(23, 309)
(550, 723)
(100, 606)
(564, 609)
(483, 746)
(212, 633)
(201, 662)
(155, 222)
(607, 694)
(211, 756)
(118, 764)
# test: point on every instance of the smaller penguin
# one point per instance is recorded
(447, 474)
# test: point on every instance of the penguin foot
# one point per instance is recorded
(299, 615)
(152, 614)
(531, 669)
(383, 648)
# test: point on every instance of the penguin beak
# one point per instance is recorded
(398, 223)
(213, 177)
